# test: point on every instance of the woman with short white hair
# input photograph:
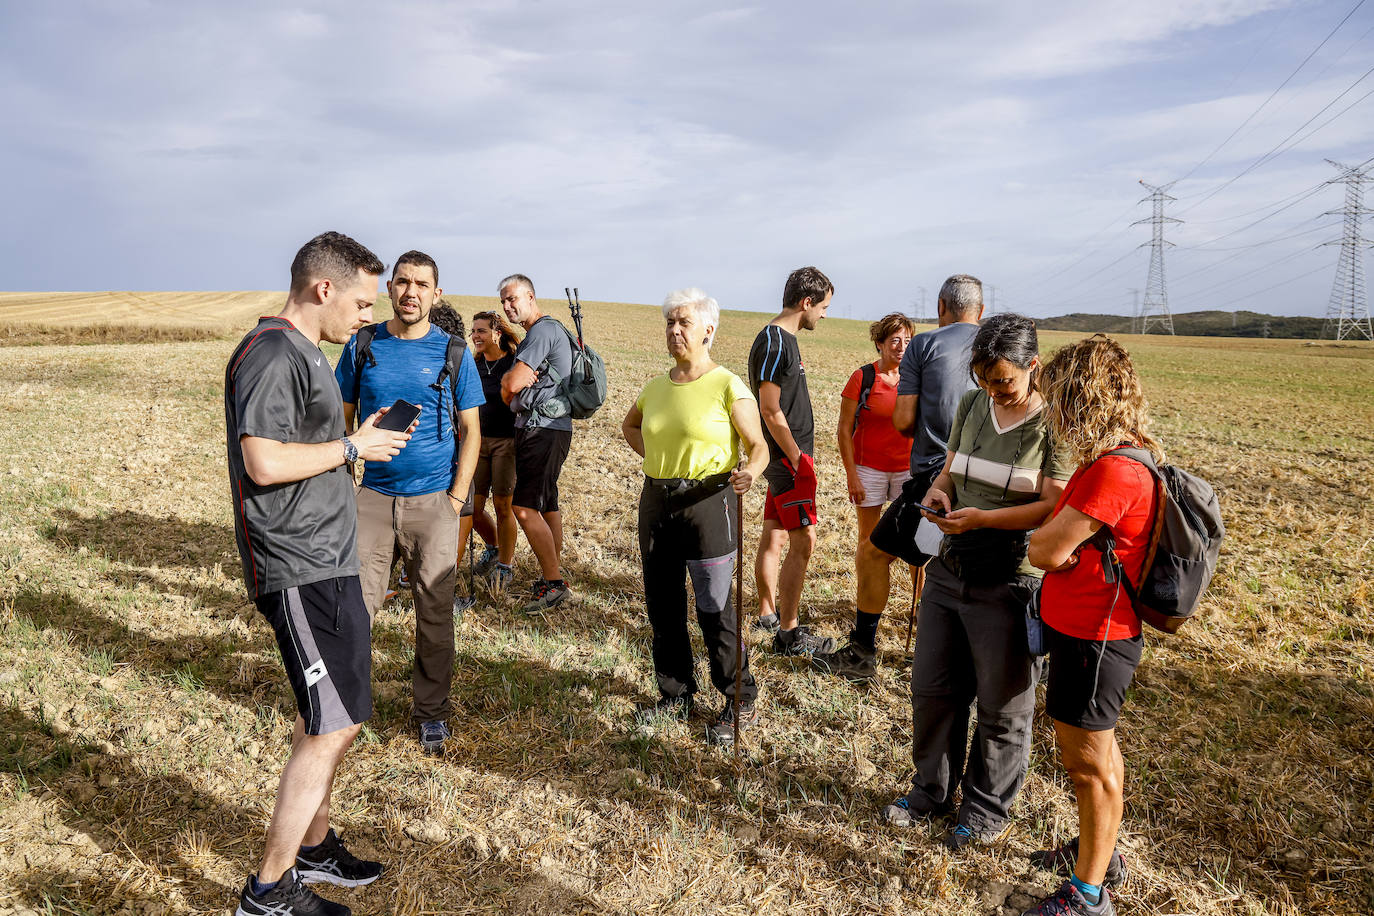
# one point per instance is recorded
(688, 425)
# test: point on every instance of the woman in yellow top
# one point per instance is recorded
(688, 425)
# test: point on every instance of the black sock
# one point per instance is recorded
(556, 583)
(865, 633)
(787, 636)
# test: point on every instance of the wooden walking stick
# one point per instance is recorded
(739, 613)
(918, 581)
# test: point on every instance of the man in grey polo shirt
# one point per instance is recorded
(295, 524)
(543, 433)
(932, 377)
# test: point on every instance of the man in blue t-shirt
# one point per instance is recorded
(411, 504)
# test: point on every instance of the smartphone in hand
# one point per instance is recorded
(938, 513)
(399, 417)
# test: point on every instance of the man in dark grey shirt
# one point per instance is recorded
(543, 433)
(932, 377)
(295, 523)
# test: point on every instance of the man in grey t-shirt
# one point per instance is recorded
(295, 523)
(543, 433)
(932, 377)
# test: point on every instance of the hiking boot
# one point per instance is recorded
(461, 605)
(852, 662)
(545, 595)
(486, 561)
(803, 642)
(962, 836)
(433, 734)
(722, 731)
(667, 709)
(1061, 861)
(498, 577)
(901, 814)
(1067, 901)
(768, 623)
(332, 863)
(289, 897)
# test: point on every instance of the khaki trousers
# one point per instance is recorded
(424, 531)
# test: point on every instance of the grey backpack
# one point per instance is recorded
(1185, 540)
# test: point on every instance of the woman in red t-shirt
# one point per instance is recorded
(1094, 404)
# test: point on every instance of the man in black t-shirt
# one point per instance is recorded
(296, 525)
(778, 380)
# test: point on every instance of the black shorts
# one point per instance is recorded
(325, 639)
(1070, 697)
(539, 457)
(895, 533)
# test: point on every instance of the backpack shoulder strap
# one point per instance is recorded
(362, 355)
(1105, 539)
(868, 377)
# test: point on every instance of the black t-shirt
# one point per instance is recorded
(278, 385)
(775, 357)
(498, 420)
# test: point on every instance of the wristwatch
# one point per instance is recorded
(350, 450)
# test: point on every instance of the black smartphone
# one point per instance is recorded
(939, 513)
(399, 417)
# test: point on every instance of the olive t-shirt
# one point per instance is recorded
(775, 357)
(278, 385)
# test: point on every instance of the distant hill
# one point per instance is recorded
(1196, 324)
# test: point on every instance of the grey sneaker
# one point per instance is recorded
(331, 862)
(498, 578)
(803, 642)
(433, 734)
(486, 561)
(768, 623)
(546, 595)
(1061, 861)
(461, 605)
(722, 731)
(900, 814)
(962, 836)
(852, 662)
(1067, 901)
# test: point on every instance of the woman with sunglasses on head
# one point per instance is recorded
(1094, 404)
(1000, 479)
(493, 346)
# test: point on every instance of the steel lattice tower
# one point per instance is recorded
(1348, 312)
(1155, 309)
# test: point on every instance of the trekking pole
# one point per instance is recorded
(575, 307)
(739, 614)
(918, 581)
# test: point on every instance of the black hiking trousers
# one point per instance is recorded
(687, 530)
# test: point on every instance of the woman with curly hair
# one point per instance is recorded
(1093, 405)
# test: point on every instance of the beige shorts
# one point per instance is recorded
(880, 486)
(495, 473)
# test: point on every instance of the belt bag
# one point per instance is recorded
(985, 556)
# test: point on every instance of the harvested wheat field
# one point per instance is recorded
(145, 717)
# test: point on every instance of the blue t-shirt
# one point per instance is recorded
(408, 369)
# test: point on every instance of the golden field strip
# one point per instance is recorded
(144, 719)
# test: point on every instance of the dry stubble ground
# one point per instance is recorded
(145, 717)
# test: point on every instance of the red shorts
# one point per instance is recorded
(795, 507)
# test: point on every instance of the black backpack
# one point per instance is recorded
(1185, 540)
(453, 359)
(868, 377)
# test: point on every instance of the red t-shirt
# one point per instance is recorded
(877, 444)
(1119, 493)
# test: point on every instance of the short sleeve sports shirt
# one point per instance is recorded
(278, 385)
(546, 340)
(775, 357)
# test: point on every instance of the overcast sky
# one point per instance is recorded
(631, 148)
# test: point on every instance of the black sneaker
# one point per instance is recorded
(962, 836)
(722, 731)
(290, 897)
(544, 596)
(433, 734)
(1061, 861)
(1067, 901)
(332, 863)
(768, 623)
(852, 662)
(803, 642)
(667, 709)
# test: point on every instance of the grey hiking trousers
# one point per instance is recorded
(971, 645)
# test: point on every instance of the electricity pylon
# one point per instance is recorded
(1347, 314)
(1155, 310)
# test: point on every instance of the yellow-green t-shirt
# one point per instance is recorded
(687, 428)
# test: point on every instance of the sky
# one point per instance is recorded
(631, 149)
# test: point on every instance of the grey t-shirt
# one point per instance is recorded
(546, 340)
(278, 385)
(935, 369)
